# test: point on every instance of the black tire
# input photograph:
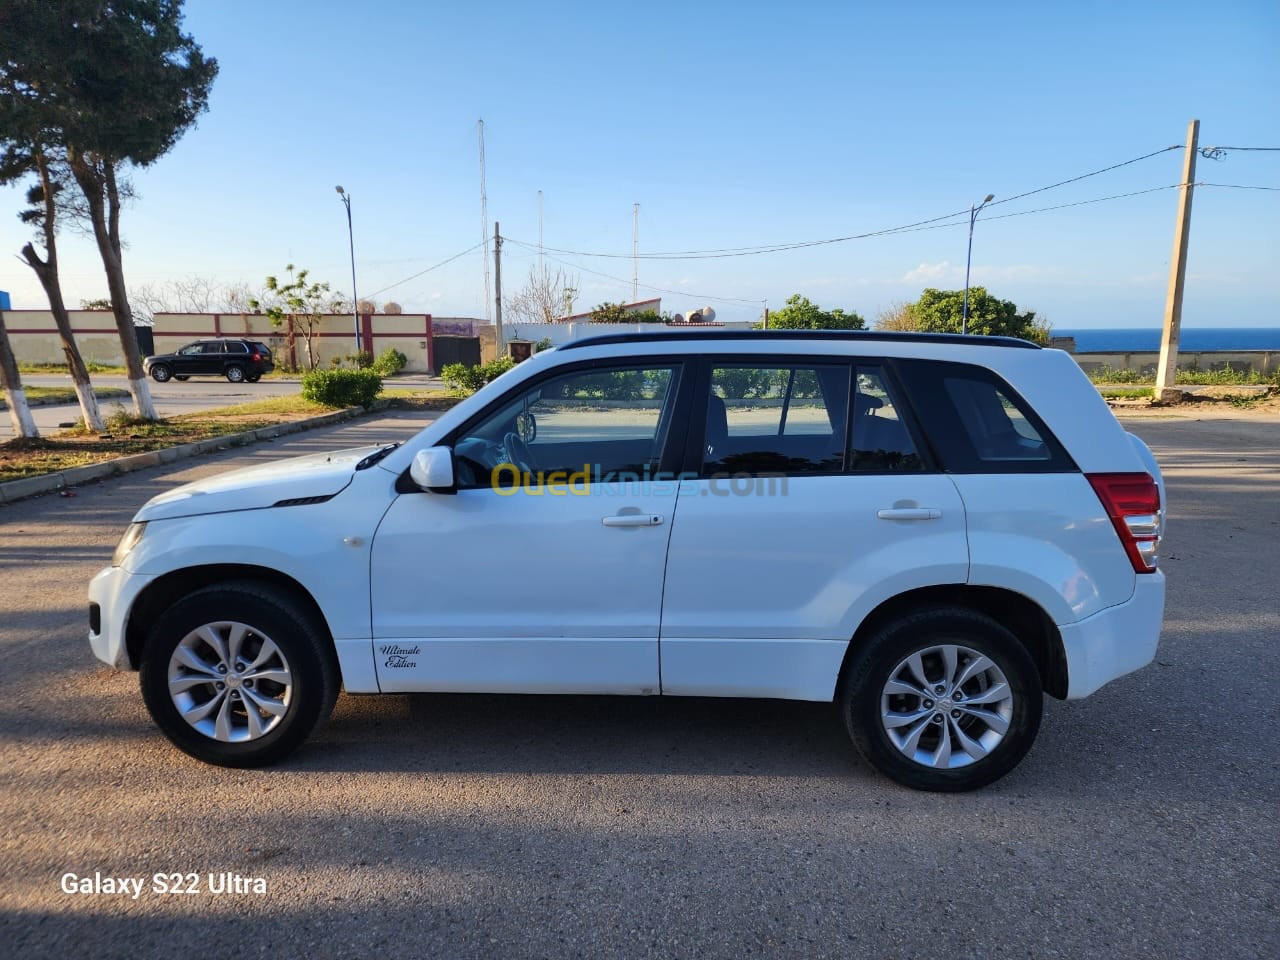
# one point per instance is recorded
(254, 379)
(234, 373)
(160, 372)
(182, 376)
(296, 632)
(875, 664)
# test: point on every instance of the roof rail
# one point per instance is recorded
(956, 339)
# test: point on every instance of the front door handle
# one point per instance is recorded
(632, 520)
(909, 513)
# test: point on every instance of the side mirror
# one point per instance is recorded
(432, 468)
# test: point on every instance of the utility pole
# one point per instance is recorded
(1167, 371)
(766, 317)
(497, 289)
(635, 252)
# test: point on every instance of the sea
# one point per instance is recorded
(1192, 339)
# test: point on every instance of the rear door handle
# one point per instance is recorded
(632, 520)
(909, 513)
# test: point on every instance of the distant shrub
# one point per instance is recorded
(390, 362)
(467, 380)
(341, 388)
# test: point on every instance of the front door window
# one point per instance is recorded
(594, 426)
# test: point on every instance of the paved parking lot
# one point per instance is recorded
(1143, 823)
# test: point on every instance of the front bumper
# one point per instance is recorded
(1114, 641)
(114, 590)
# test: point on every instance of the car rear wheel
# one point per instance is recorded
(238, 674)
(944, 699)
(160, 372)
(235, 373)
(182, 376)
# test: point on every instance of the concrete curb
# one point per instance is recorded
(14, 490)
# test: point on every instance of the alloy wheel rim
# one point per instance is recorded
(946, 706)
(230, 681)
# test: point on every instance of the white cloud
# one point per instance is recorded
(942, 272)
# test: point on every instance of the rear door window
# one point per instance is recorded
(776, 418)
(879, 441)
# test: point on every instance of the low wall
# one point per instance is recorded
(1241, 361)
(34, 336)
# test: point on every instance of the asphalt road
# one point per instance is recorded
(1142, 824)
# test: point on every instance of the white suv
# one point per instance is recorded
(928, 530)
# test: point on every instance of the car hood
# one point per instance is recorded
(253, 488)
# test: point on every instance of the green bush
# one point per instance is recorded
(357, 361)
(390, 362)
(467, 380)
(341, 388)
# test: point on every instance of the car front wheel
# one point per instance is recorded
(161, 373)
(238, 674)
(943, 699)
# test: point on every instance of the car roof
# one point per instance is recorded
(849, 336)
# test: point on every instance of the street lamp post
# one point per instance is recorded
(973, 215)
(351, 240)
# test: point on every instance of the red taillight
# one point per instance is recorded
(256, 356)
(1132, 501)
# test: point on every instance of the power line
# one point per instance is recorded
(429, 269)
(1081, 203)
(646, 286)
(1084, 176)
(723, 252)
(912, 228)
(1236, 186)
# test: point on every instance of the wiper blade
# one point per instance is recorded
(374, 457)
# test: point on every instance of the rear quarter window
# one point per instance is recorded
(978, 423)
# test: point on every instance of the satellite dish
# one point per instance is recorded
(708, 314)
(678, 318)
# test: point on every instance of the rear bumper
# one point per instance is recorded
(1114, 641)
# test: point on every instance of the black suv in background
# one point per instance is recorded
(237, 360)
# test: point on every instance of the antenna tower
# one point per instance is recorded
(484, 231)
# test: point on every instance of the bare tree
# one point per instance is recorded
(193, 294)
(899, 315)
(544, 298)
(237, 297)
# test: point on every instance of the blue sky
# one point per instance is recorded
(731, 124)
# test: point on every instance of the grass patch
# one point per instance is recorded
(128, 434)
(62, 368)
(292, 407)
(1126, 393)
(1190, 378)
(38, 396)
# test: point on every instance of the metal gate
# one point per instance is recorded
(463, 350)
